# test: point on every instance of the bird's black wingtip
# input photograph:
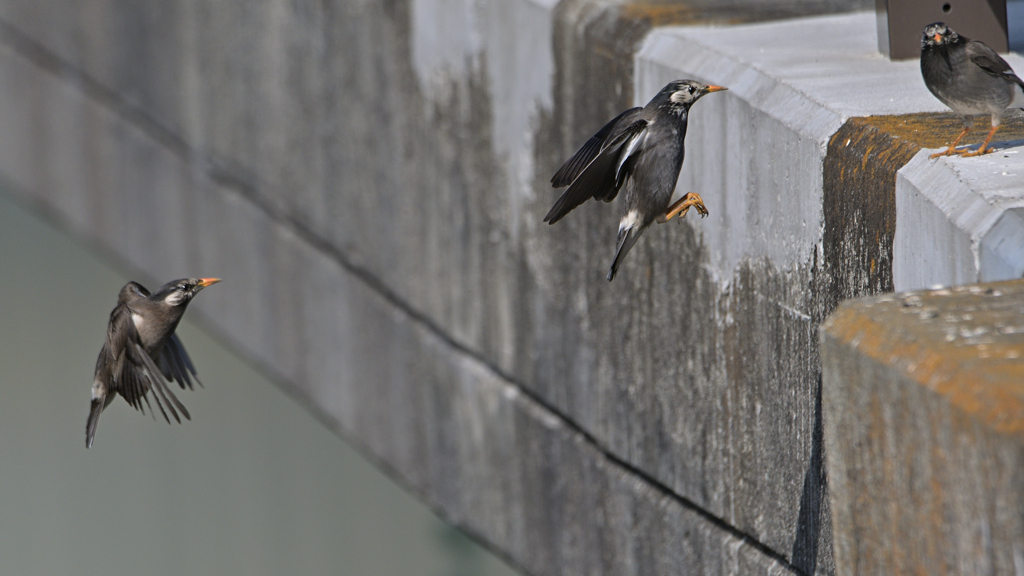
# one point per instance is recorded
(561, 178)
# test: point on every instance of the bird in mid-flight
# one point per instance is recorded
(642, 148)
(970, 78)
(142, 353)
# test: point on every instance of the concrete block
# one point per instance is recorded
(923, 428)
(959, 219)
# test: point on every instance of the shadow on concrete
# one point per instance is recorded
(1002, 146)
(805, 546)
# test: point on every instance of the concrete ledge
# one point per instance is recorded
(960, 220)
(924, 427)
(966, 206)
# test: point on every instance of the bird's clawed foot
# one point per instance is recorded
(967, 152)
(952, 147)
(947, 152)
(682, 206)
(983, 149)
(963, 153)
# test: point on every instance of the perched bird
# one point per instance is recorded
(970, 78)
(142, 353)
(642, 148)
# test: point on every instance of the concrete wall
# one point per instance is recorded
(924, 422)
(370, 179)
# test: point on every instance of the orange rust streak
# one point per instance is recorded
(991, 390)
(867, 156)
(933, 130)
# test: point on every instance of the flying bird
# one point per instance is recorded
(970, 78)
(142, 353)
(641, 148)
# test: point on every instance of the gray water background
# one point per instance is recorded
(252, 485)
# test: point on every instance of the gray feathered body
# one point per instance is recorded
(141, 353)
(649, 192)
(641, 149)
(970, 78)
(653, 183)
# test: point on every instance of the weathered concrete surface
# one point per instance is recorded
(782, 246)
(959, 221)
(860, 199)
(490, 458)
(401, 146)
(924, 427)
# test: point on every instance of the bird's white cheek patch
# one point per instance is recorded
(630, 220)
(679, 97)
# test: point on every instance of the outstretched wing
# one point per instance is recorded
(586, 154)
(133, 372)
(604, 174)
(990, 61)
(175, 364)
(147, 371)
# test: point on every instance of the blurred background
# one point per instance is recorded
(252, 485)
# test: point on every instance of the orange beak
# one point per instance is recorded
(710, 89)
(937, 38)
(204, 282)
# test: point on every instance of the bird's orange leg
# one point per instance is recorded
(683, 205)
(952, 147)
(983, 149)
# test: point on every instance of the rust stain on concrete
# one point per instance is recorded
(965, 344)
(859, 188)
(674, 12)
(933, 130)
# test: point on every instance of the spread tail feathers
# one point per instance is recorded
(627, 237)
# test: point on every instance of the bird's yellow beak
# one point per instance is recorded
(715, 88)
(937, 38)
(204, 282)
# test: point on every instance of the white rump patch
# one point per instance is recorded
(138, 320)
(630, 220)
